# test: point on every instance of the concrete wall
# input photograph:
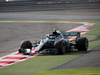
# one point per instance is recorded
(58, 0)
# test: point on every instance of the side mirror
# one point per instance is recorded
(47, 35)
(42, 37)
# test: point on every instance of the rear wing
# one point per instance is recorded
(77, 34)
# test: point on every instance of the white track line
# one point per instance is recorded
(9, 60)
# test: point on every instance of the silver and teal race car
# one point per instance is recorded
(55, 43)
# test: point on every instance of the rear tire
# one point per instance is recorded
(82, 44)
(60, 46)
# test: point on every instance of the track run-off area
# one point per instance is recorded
(16, 57)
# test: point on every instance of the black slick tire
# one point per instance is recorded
(60, 45)
(25, 45)
(82, 44)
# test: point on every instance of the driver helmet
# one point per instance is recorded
(55, 32)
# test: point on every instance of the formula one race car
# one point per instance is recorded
(56, 43)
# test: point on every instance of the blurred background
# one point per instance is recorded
(31, 5)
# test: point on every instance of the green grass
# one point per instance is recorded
(92, 71)
(45, 62)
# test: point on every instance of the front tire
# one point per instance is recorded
(25, 45)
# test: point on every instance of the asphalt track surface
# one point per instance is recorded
(91, 14)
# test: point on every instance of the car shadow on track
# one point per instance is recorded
(68, 53)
